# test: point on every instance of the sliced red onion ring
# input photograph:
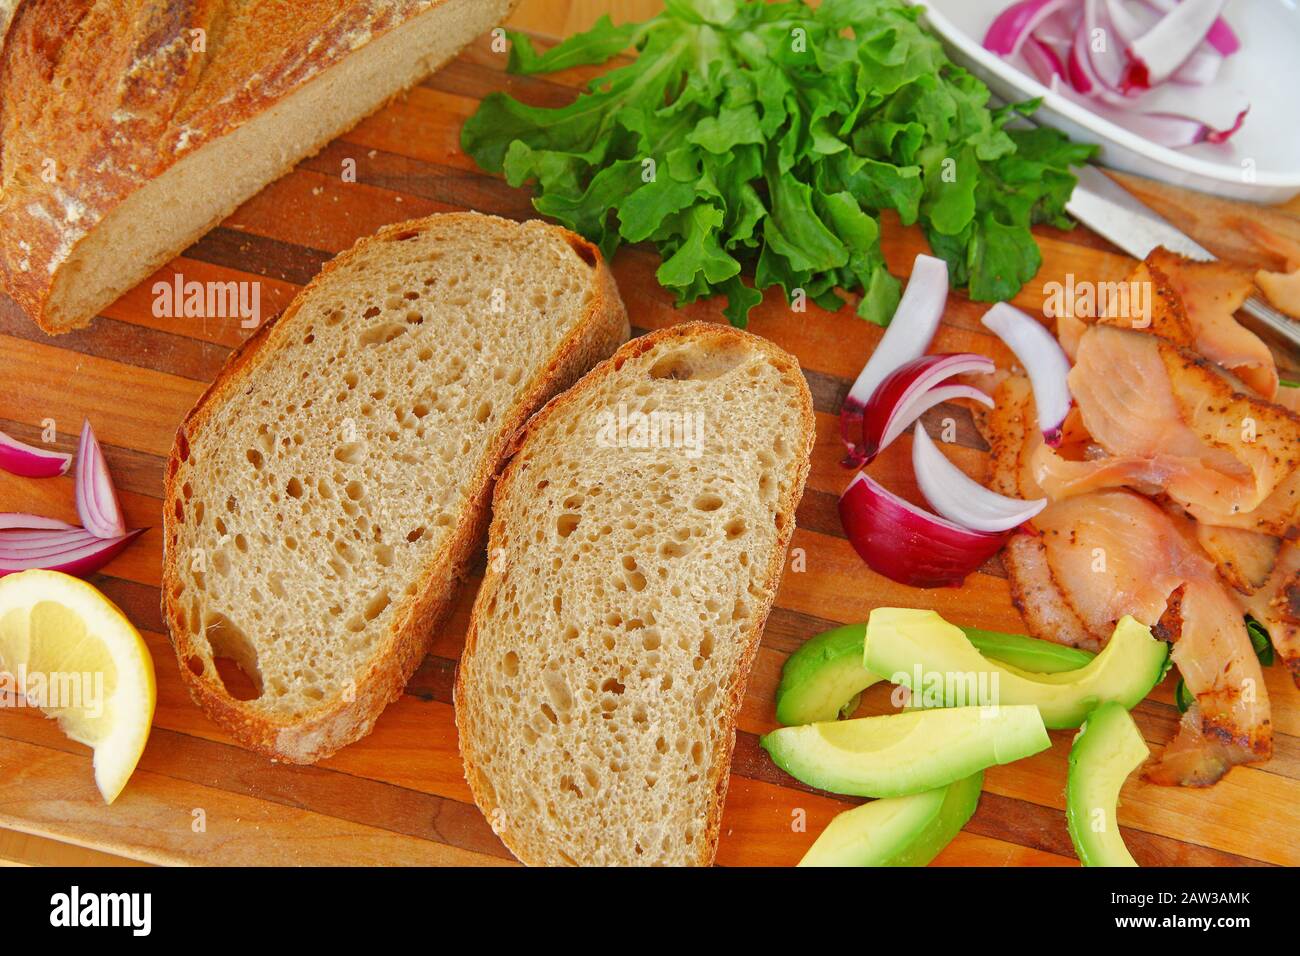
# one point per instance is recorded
(1057, 31)
(1220, 111)
(12, 519)
(1056, 47)
(1201, 69)
(21, 459)
(1108, 62)
(907, 337)
(907, 544)
(1041, 356)
(1014, 24)
(1130, 20)
(37, 543)
(1220, 36)
(97, 503)
(1157, 54)
(1171, 131)
(1042, 60)
(1098, 73)
(80, 555)
(911, 390)
(958, 497)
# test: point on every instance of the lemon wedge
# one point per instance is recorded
(71, 652)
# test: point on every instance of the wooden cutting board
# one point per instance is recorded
(398, 796)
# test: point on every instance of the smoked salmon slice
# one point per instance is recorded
(1170, 422)
(1095, 558)
(1205, 296)
(1192, 304)
(1088, 560)
(1276, 606)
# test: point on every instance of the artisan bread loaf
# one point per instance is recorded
(637, 539)
(130, 129)
(329, 490)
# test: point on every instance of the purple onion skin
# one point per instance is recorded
(90, 563)
(852, 422)
(29, 465)
(889, 540)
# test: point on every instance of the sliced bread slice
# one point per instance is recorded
(131, 129)
(638, 536)
(327, 492)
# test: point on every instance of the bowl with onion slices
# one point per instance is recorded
(1190, 92)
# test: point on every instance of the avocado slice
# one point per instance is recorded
(1105, 752)
(919, 647)
(901, 754)
(897, 831)
(825, 678)
(1027, 653)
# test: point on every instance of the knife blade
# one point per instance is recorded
(1111, 211)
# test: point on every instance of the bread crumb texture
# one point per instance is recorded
(628, 585)
(327, 486)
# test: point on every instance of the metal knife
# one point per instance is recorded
(1110, 210)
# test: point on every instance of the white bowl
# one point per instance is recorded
(1261, 163)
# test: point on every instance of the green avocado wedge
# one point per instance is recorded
(902, 754)
(823, 679)
(1105, 752)
(1027, 653)
(936, 660)
(897, 831)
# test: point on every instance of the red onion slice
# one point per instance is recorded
(1157, 54)
(908, 336)
(1013, 25)
(1172, 131)
(1221, 112)
(1130, 20)
(97, 503)
(18, 543)
(21, 459)
(1055, 45)
(80, 557)
(1220, 36)
(12, 519)
(1108, 62)
(958, 497)
(1201, 69)
(1042, 60)
(907, 544)
(909, 391)
(1042, 357)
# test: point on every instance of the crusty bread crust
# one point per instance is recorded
(708, 335)
(115, 94)
(340, 722)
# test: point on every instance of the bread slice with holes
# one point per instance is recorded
(637, 540)
(328, 491)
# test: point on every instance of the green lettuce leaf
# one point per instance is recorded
(768, 138)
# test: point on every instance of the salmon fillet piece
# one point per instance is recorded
(1114, 553)
(1276, 605)
(1088, 560)
(1171, 423)
(1192, 304)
